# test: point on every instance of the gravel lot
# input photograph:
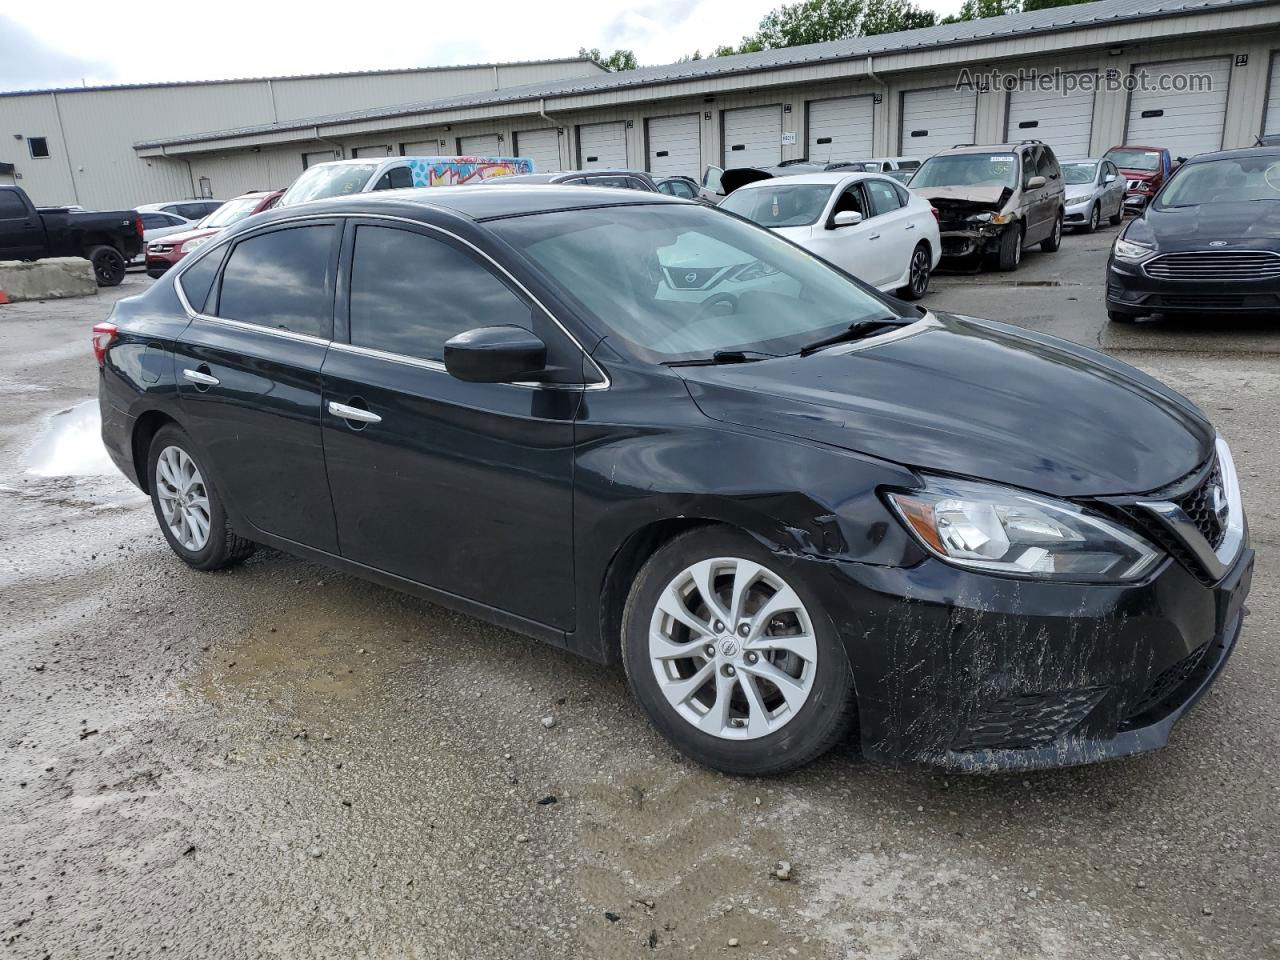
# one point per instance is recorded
(283, 762)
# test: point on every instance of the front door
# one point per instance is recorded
(249, 378)
(464, 487)
(856, 248)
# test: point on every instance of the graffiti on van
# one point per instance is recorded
(453, 171)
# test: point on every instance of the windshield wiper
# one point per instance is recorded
(722, 356)
(855, 331)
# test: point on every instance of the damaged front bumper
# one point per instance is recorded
(968, 240)
(967, 672)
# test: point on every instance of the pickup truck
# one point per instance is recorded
(107, 240)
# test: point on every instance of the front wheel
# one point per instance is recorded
(1010, 253)
(1095, 219)
(108, 266)
(1053, 241)
(734, 662)
(1118, 215)
(918, 277)
(188, 507)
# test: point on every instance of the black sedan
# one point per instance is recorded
(1209, 243)
(654, 434)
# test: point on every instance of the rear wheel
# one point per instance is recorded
(1053, 241)
(1010, 253)
(918, 277)
(108, 266)
(735, 663)
(1118, 215)
(187, 505)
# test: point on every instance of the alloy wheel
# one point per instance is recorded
(184, 500)
(733, 648)
(1095, 218)
(919, 272)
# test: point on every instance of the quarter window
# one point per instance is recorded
(281, 280)
(884, 199)
(410, 293)
(197, 280)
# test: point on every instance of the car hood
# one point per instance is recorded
(990, 198)
(1129, 174)
(972, 398)
(186, 235)
(1253, 225)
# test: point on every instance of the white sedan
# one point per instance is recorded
(864, 223)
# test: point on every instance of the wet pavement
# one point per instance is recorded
(279, 761)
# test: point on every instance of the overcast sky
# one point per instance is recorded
(62, 43)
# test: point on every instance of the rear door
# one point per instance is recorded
(249, 378)
(893, 221)
(856, 248)
(936, 119)
(464, 487)
(752, 136)
(21, 230)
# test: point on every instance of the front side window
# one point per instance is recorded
(1046, 163)
(678, 282)
(1234, 180)
(11, 205)
(781, 205)
(282, 280)
(968, 170)
(410, 293)
(884, 199)
(328, 180)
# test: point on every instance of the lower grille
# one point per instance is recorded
(1166, 683)
(1212, 301)
(1027, 720)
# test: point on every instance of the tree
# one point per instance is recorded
(981, 9)
(817, 21)
(614, 62)
(1046, 4)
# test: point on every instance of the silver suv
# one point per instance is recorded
(994, 201)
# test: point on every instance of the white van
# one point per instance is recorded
(341, 177)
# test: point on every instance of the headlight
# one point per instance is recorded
(1131, 252)
(195, 244)
(996, 218)
(1002, 530)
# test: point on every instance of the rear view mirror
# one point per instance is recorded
(1035, 183)
(495, 355)
(845, 218)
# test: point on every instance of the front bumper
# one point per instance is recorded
(967, 672)
(962, 241)
(1129, 288)
(1077, 214)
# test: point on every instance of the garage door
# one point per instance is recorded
(937, 119)
(422, 148)
(752, 136)
(1187, 121)
(602, 145)
(371, 150)
(1271, 118)
(540, 146)
(840, 129)
(1063, 122)
(481, 145)
(675, 145)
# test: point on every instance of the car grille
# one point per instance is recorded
(1166, 684)
(1199, 506)
(159, 247)
(1027, 720)
(1215, 266)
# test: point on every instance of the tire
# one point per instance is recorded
(1121, 316)
(1051, 243)
(220, 546)
(1010, 253)
(1095, 219)
(108, 266)
(762, 731)
(920, 270)
(1118, 215)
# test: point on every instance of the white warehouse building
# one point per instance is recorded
(1190, 75)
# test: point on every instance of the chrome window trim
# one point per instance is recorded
(605, 383)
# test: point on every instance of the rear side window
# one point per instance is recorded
(410, 293)
(884, 199)
(281, 280)
(394, 179)
(197, 280)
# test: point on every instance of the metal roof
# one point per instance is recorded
(289, 76)
(1103, 13)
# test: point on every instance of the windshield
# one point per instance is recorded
(968, 170)
(231, 212)
(1079, 172)
(328, 180)
(1237, 180)
(679, 282)
(1147, 160)
(781, 205)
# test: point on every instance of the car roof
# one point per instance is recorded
(1241, 152)
(1134, 146)
(476, 203)
(988, 147)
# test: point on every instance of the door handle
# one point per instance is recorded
(353, 413)
(201, 379)
(911, 226)
(874, 236)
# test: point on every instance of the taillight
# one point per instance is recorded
(104, 334)
(936, 215)
(137, 225)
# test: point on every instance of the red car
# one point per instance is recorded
(1145, 169)
(163, 253)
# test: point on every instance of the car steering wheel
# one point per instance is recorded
(704, 308)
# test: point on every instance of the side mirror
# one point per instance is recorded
(1035, 183)
(1109, 178)
(845, 218)
(495, 355)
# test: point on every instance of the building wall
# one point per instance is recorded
(91, 132)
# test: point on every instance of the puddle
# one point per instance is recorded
(70, 445)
